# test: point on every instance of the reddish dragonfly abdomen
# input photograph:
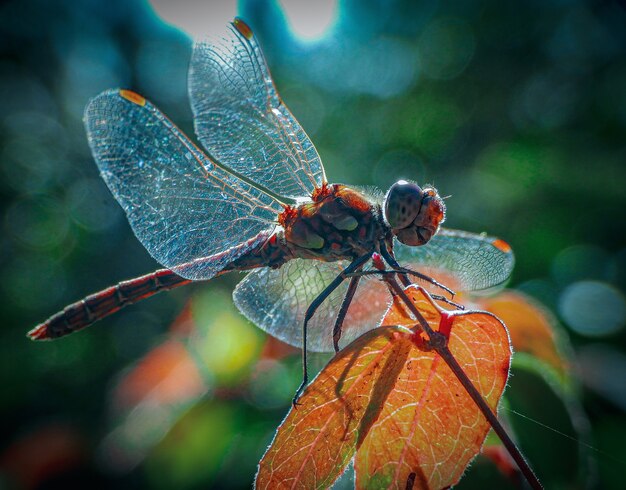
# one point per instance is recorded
(99, 305)
(108, 301)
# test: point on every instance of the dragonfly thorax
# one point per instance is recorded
(338, 223)
(414, 214)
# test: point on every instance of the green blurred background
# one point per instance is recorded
(515, 110)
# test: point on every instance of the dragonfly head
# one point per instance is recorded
(414, 214)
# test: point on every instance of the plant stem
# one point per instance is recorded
(442, 349)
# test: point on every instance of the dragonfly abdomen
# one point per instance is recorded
(273, 252)
(265, 249)
(99, 305)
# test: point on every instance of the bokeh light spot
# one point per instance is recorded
(603, 369)
(91, 66)
(195, 447)
(431, 123)
(547, 100)
(385, 67)
(397, 164)
(34, 153)
(38, 223)
(593, 308)
(580, 262)
(446, 48)
(272, 384)
(27, 280)
(227, 344)
(516, 169)
(91, 205)
(161, 65)
(196, 18)
(310, 21)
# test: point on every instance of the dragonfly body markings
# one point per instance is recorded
(258, 200)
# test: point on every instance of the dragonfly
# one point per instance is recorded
(257, 200)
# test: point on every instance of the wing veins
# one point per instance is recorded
(210, 175)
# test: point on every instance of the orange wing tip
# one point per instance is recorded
(501, 245)
(133, 97)
(243, 28)
(40, 332)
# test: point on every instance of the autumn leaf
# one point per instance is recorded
(531, 327)
(317, 439)
(396, 404)
(429, 429)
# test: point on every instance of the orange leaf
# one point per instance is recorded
(396, 404)
(316, 441)
(166, 375)
(530, 325)
(429, 428)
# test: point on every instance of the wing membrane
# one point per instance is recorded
(474, 262)
(188, 213)
(241, 120)
(277, 299)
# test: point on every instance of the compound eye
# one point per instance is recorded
(409, 236)
(402, 203)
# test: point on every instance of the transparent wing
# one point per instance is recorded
(192, 216)
(241, 120)
(472, 262)
(277, 299)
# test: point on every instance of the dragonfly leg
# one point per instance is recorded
(397, 273)
(315, 304)
(424, 277)
(341, 315)
(403, 272)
